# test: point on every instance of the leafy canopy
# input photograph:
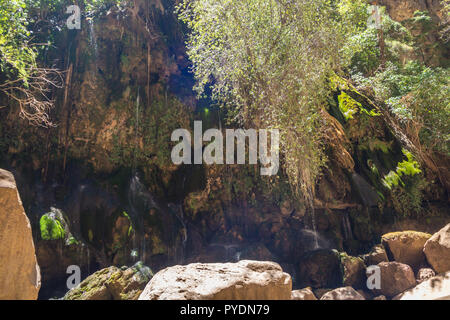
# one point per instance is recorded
(16, 55)
(267, 61)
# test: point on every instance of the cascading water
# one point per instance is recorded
(237, 256)
(93, 40)
(136, 129)
(232, 251)
(316, 238)
(140, 201)
(313, 222)
(88, 261)
(348, 234)
(177, 210)
(366, 192)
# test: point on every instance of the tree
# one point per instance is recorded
(267, 62)
(21, 79)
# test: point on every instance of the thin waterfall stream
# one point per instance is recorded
(93, 40)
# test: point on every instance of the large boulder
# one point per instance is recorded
(20, 276)
(437, 250)
(320, 269)
(345, 293)
(303, 294)
(112, 284)
(354, 271)
(244, 280)
(395, 277)
(406, 247)
(436, 288)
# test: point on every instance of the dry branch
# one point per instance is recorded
(33, 96)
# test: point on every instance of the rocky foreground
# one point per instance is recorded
(412, 265)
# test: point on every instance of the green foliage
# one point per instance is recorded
(266, 62)
(90, 235)
(51, 228)
(16, 54)
(373, 144)
(362, 47)
(408, 167)
(348, 105)
(428, 103)
(72, 240)
(406, 185)
(364, 51)
(100, 5)
(417, 95)
(130, 229)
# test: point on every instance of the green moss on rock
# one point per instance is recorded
(112, 284)
(51, 228)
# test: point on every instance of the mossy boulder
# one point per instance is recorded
(406, 247)
(112, 284)
(353, 271)
(320, 269)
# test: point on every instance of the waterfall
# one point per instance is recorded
(140, 201)
(138, 100)
(237, 256)
(367, 193)
(178, 212)
(232, 251)
(93, 40)
(313, 219)
(348, 234)
(143, 247)
(88, 261)
(136, 129)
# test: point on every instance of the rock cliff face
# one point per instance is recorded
(404, 9)
(19, 272)
(107, 164)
